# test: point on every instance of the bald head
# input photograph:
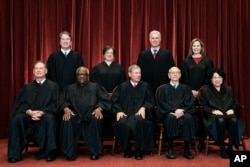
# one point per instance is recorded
(174, 69)
(82, 68)
(174, 74)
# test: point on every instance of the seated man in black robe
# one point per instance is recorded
(132, 103)
(82, 104)
(33, 117)
(176, 111)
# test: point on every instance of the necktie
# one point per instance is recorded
(65, 53)
(155, 52)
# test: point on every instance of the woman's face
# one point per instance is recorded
(216, 80)
(109, 55)
(196, 48)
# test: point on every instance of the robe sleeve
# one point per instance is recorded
(103, 98)
(20, 105)
(115, 99)
(203, 101)
(64, 100)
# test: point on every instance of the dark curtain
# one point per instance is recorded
(29, 31)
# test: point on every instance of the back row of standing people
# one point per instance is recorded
(154, 62)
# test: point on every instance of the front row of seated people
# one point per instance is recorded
(79, 108)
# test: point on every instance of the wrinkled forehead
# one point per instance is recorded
(174, 69)
(135, 70)
(39, 65)
(83, 70)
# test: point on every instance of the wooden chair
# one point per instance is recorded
(161, 128)
(209, 141)
(31, 145)
(114, 142)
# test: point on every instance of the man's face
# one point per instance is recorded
(65, 41)
(40, 70)
(155, 39)
(82, 76)
(135, 74)
(174, 74)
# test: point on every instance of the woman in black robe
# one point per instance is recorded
(108, 74)
(221, 112)
(195, 69)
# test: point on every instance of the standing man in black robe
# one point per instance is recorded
(177, 113)
(63, 63)
(132, 103)
(155, 62)
(82, 104)
(33, 117)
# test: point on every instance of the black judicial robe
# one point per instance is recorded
(194, 74)
(155, 71)
(129, 99)
(62, 69)
(211, 99)
(23, 130)
(108, 76)
(168, 100)
(82, 100)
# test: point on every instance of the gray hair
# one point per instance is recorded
(155, 32)
(77, 70)
(134, 66)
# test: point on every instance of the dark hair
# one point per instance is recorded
(218, 71)
(104, 50)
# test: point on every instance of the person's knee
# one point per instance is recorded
(170, 117)
(49, 119)
(188, 117)
(234, 121)
(220, 120)
(18, 118)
